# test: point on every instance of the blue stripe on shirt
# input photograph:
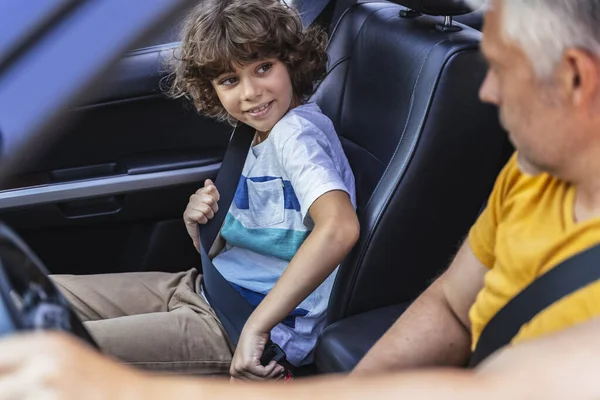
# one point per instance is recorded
(242, 201)
(254, 298)
(276, 242)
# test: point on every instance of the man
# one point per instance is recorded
(544, 76)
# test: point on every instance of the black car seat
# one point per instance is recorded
(402, 92)
(473, 19)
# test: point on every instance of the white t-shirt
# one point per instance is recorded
(301, 159)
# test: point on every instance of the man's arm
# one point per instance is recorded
(435, 329)
(561, 366)
(558, 366)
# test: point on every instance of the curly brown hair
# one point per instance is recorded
(220, 33)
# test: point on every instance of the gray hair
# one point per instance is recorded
(545, 29)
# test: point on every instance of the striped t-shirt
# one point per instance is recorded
(268, 221)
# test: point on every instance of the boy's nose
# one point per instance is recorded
(250, 90)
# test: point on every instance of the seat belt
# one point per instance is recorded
(562, 280)
(230, 306)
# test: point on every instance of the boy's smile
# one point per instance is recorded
(258, 94)
(261, 110)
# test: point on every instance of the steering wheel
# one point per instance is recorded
(28, 298)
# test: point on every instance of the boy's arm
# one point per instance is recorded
(335, 232)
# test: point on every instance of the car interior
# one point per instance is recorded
(402, 91)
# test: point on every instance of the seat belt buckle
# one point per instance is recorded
(275, 353)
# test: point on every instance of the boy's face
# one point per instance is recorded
(258, 94)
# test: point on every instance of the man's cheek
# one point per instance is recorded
(503, 119)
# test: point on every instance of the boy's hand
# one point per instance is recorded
(201, 208)
(246, 360)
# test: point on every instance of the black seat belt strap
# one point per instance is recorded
(562, 280)
(230, 306)
(227, 180)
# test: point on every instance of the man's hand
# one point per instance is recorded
(246, 360)
(201, 208)
(58, 366)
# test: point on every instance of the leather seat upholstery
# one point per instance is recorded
(339, 351)
(425, 151)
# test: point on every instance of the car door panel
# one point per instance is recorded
(109, 194)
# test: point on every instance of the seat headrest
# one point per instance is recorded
(437, 7)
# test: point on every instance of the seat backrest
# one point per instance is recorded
(424, 150)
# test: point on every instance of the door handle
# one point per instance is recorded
(92, 207)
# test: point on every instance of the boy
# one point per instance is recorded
(291, 223)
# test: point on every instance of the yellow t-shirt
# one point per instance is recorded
(528, 228)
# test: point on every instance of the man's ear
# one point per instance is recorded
(579, 76)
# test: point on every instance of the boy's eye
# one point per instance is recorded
(228, 81)
(265, 68)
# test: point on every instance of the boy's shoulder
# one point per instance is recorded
(307, 118)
